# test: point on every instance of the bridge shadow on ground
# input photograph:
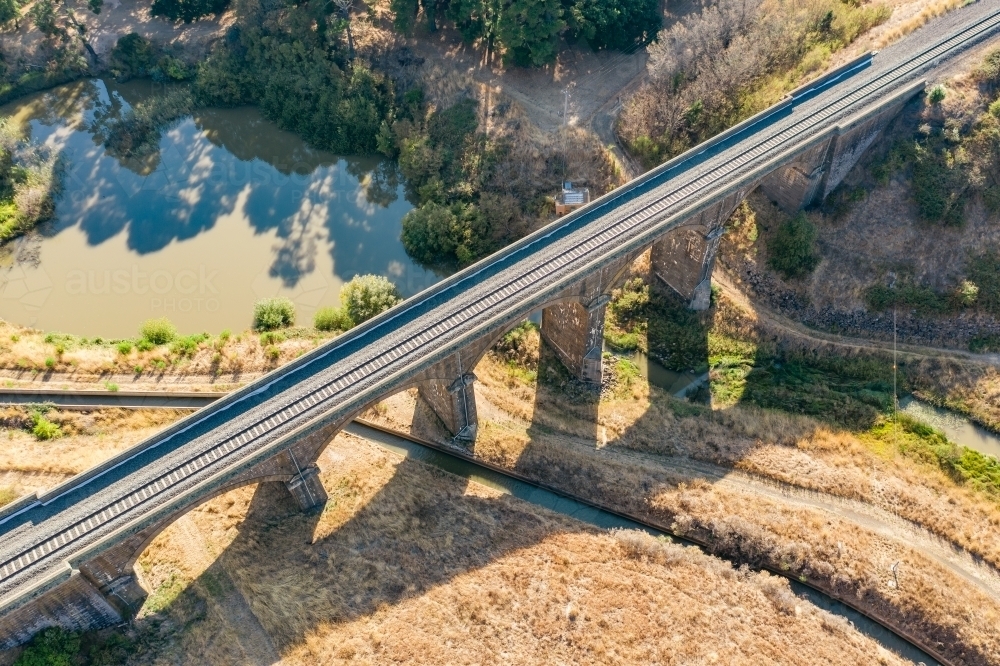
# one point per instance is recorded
(391, 531)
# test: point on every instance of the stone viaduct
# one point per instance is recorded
(95, 584)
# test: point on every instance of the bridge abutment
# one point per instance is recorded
(816, 172)
(75, 605)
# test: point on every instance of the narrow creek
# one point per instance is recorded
(605, 520)
(956, 427)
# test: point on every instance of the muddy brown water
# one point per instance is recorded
(229, 209)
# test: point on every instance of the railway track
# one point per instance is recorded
(40, 536)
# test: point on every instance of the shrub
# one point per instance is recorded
(43, 429)
(187, 345)
(907, 295)
(332, 319)
(111, 386)
(273, 313)
(936, 95)
(791, 251)
(366, 296)
(172, 69)
(985, 344)
(984, 271)
(125, 347)
(50, 362)
(273, 353)
(967, 293)
(144, 345)
(51, 647)
(158, 331)
(995, 108)
(271, 337)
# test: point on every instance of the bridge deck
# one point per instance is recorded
(38, 536)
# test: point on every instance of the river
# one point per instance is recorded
(230, 209)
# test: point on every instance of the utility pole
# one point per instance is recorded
(895, 401)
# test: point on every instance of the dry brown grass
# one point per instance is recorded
(407, 564)
(930, 10)
(89, 438)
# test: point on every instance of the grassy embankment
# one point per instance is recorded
(31, 355)
(407, 563)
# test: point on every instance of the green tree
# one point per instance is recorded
(132, 56)
(366, 296)
(529, 31)
(50, 647)
(10, 10)
(436, 234)
(792, 251)
(43, 16)
(614, 24)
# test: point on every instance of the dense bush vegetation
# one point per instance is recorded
(527, 31)
(51, 647)
(730, 60)
(792, 251)
(29, 179)
(273, 313)
(187, 10)
(451, 170)
(953, 158)
(300, 78)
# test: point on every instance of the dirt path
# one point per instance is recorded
(233, 606)
(118, 18)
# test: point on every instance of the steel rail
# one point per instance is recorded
(494, 301)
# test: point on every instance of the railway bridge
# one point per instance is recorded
(67, 555)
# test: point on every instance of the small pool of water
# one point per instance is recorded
(956, 427)
(605, 520)
(675, 383)
(229, 209)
